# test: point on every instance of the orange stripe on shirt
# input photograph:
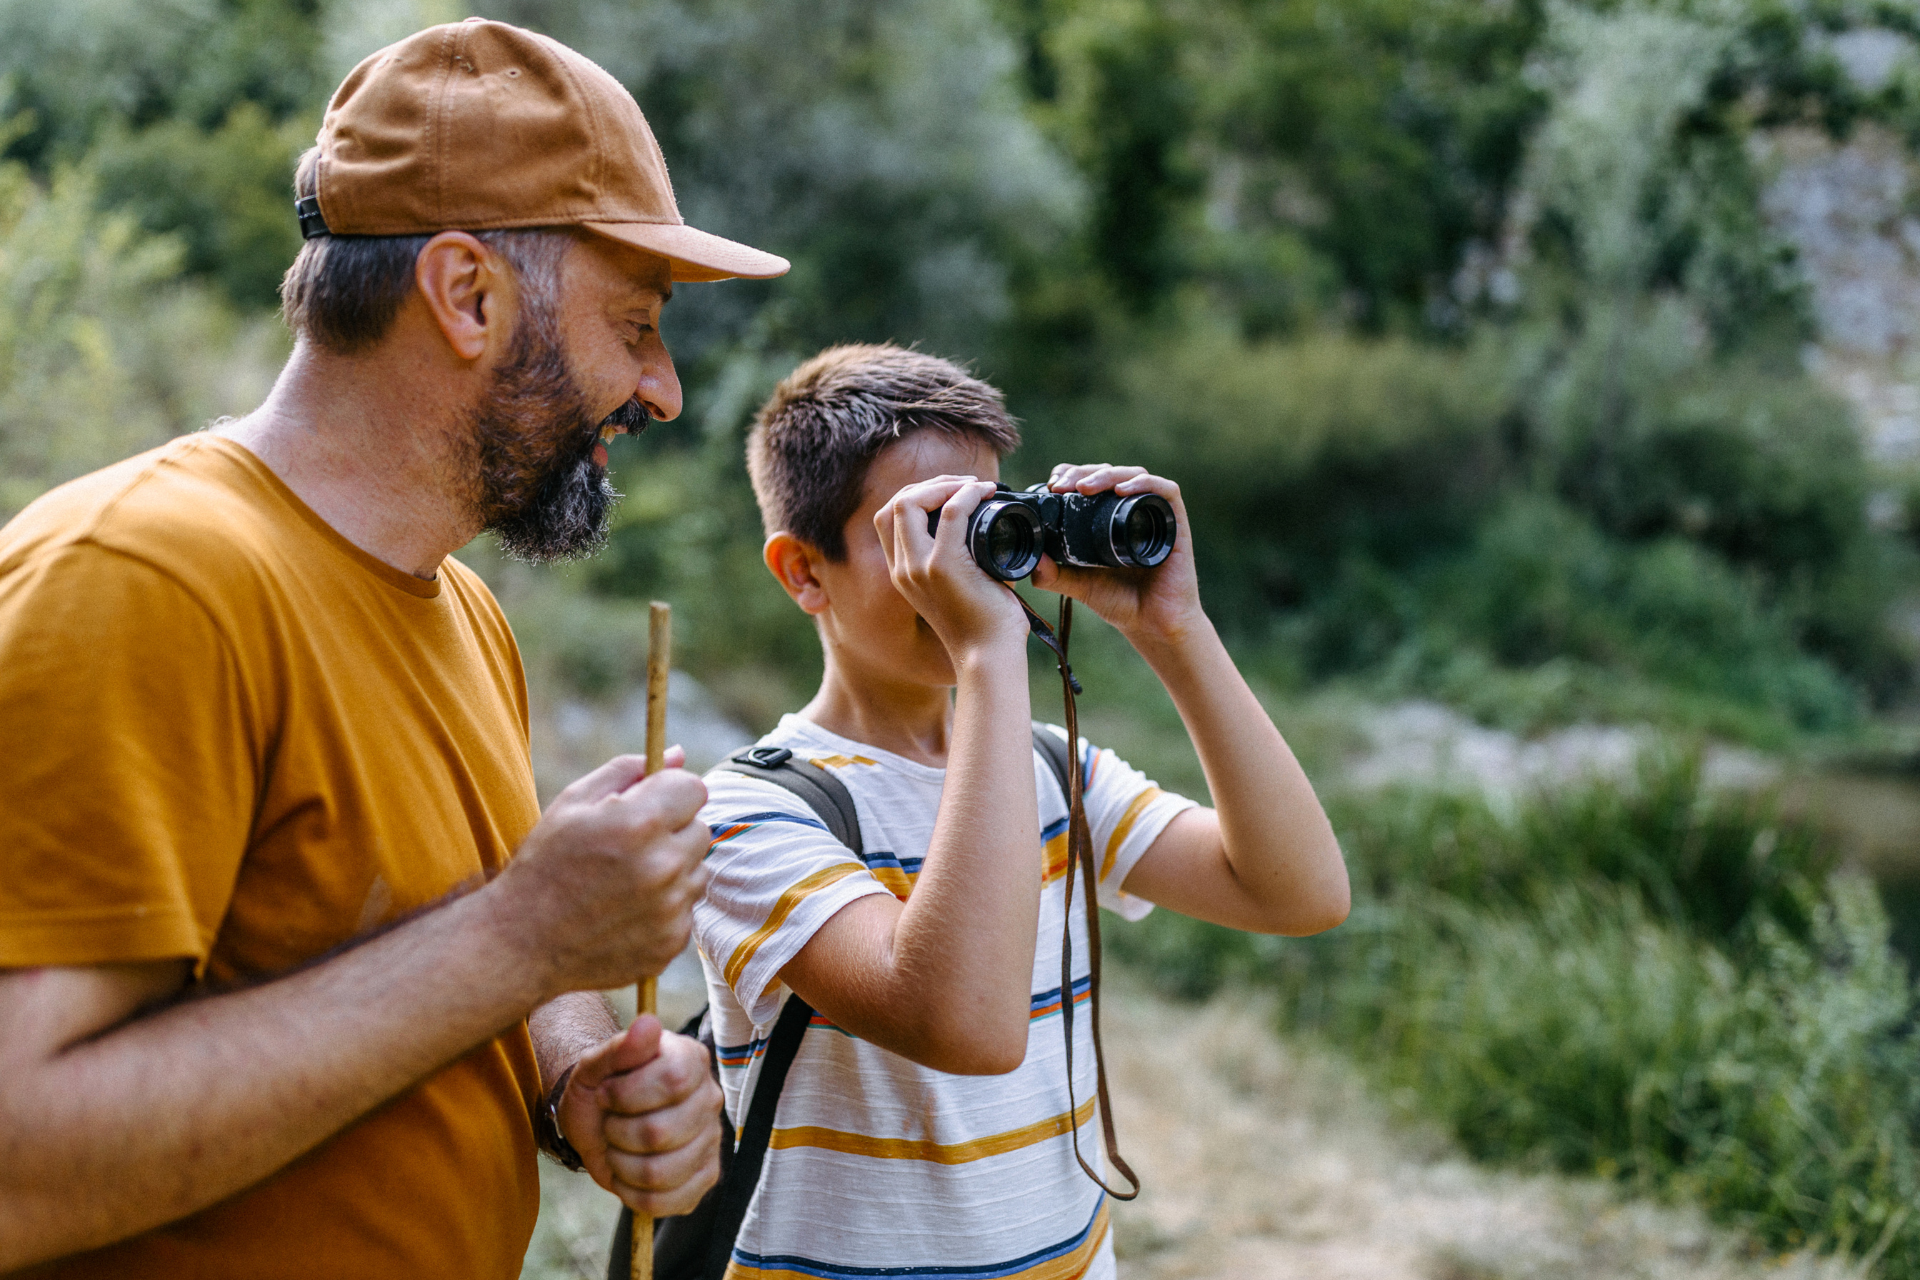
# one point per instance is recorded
(859, 1144)
(737, 963)
(1055, 864)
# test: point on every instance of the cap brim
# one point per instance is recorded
(696, 255)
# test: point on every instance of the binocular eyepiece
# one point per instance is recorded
(1007, 533)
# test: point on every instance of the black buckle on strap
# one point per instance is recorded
(311, 223)
(765, 757)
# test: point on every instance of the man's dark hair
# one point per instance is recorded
(342, 292)
(816, 436)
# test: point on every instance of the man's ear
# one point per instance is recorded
(467, 290)
(792, 561)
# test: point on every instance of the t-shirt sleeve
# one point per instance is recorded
(776, 875)
(128, 791)
(1126, 813)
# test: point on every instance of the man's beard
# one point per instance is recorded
(536, 486)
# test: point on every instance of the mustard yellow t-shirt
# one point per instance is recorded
(228, 734)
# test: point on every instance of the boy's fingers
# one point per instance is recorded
(1059, 578)
(901, 520)
(1092, 478)
(1104, 478)
(1069, 474)
(1147, 482)
(961, 504)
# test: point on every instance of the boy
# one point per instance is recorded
(924, 1127)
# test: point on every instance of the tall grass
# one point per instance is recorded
(1657, 984)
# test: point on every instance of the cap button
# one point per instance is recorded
(476, 18)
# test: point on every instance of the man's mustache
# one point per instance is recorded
(631, 417)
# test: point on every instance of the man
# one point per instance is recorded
(286, 947)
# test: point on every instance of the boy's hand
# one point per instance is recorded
(1160, 605)
(966, 608)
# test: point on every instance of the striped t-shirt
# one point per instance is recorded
(877, 1165)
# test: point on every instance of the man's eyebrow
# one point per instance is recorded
(642, 298)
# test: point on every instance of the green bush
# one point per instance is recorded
(104, 351)
(1540, 581)
(1301, 456)
(226, 193)
(1409, 515)
(1777, 1092)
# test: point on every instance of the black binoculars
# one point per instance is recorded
(1007, 533)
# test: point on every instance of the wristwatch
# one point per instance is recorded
(546, 1126)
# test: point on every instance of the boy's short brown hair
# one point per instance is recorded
(815, 437)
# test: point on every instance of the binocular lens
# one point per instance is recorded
(1143, 530)
(1006, 540)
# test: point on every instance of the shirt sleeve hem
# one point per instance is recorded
(91, 936)
(763, 971)
(1160, 811)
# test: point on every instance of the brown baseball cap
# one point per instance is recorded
(479, 126)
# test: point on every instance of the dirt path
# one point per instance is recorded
(1265, 1161)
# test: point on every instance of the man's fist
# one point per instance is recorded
(602, 890)
(642, 1109)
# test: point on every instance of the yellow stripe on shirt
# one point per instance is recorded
(839, 762)
(1140, 802)
(859, 1144)
(737, 963)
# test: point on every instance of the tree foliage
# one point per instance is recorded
(1378, 280)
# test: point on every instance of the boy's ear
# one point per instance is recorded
(791, 561)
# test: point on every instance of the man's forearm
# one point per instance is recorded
(167, 1114)
(566, 1027)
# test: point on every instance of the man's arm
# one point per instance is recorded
(1264, 859)
(944, 978)
(113, 1123)
(652, 1136)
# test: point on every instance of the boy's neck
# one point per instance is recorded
(910, 720)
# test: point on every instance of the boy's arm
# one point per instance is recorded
(1265, 858)
(943, 979)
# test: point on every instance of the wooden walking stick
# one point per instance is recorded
(659, 653)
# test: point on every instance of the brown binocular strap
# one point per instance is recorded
(1080, 862)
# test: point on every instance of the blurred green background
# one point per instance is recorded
(1543, 378)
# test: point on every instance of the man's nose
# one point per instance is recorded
(659, 387)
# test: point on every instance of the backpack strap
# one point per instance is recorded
(825, 794)
(716, 1222)
(743, 1178)
(1056, 753)
(830, 800)
(698, 1245)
